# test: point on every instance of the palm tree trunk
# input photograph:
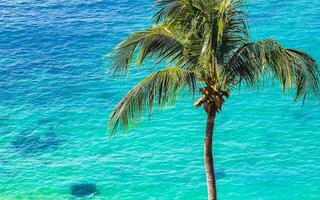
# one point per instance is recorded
(208, 158)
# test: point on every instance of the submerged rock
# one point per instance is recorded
(84, 190)
(303, 117)
(31, 143)
(3, 119)
(26, 143)
(51, 121)
(49, 141)
(221, 174)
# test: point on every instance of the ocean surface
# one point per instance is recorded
(56, 95)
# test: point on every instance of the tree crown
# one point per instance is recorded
(206, 42)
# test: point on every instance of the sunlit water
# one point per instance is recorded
(56, 94)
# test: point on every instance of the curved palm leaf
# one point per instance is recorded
(212, 30)
(159, 88)
(233, 29)
(159, 42)
(254, 61)
(177, 11)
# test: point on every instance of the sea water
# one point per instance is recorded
(56, 94)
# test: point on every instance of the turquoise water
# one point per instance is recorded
(56, 95)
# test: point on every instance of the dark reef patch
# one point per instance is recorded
(3, 119)
(52, 121)
(27, 143)
(84, 190)
(302, 117)
(50, 140)
(105, 95)
(44, 121)
(221, 174)
(3, 161)
(31, 143)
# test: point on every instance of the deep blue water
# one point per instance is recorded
(56, 95)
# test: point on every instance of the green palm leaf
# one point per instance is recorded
(177, 11)
(293, 68)
(159, 88)
(158, 42)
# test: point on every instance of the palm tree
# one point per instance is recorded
(205, 44)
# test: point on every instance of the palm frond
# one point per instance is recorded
(177, 11)
(235, 29)
(159, 42)
(293, 68)
(217, 30)
(158, 89)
